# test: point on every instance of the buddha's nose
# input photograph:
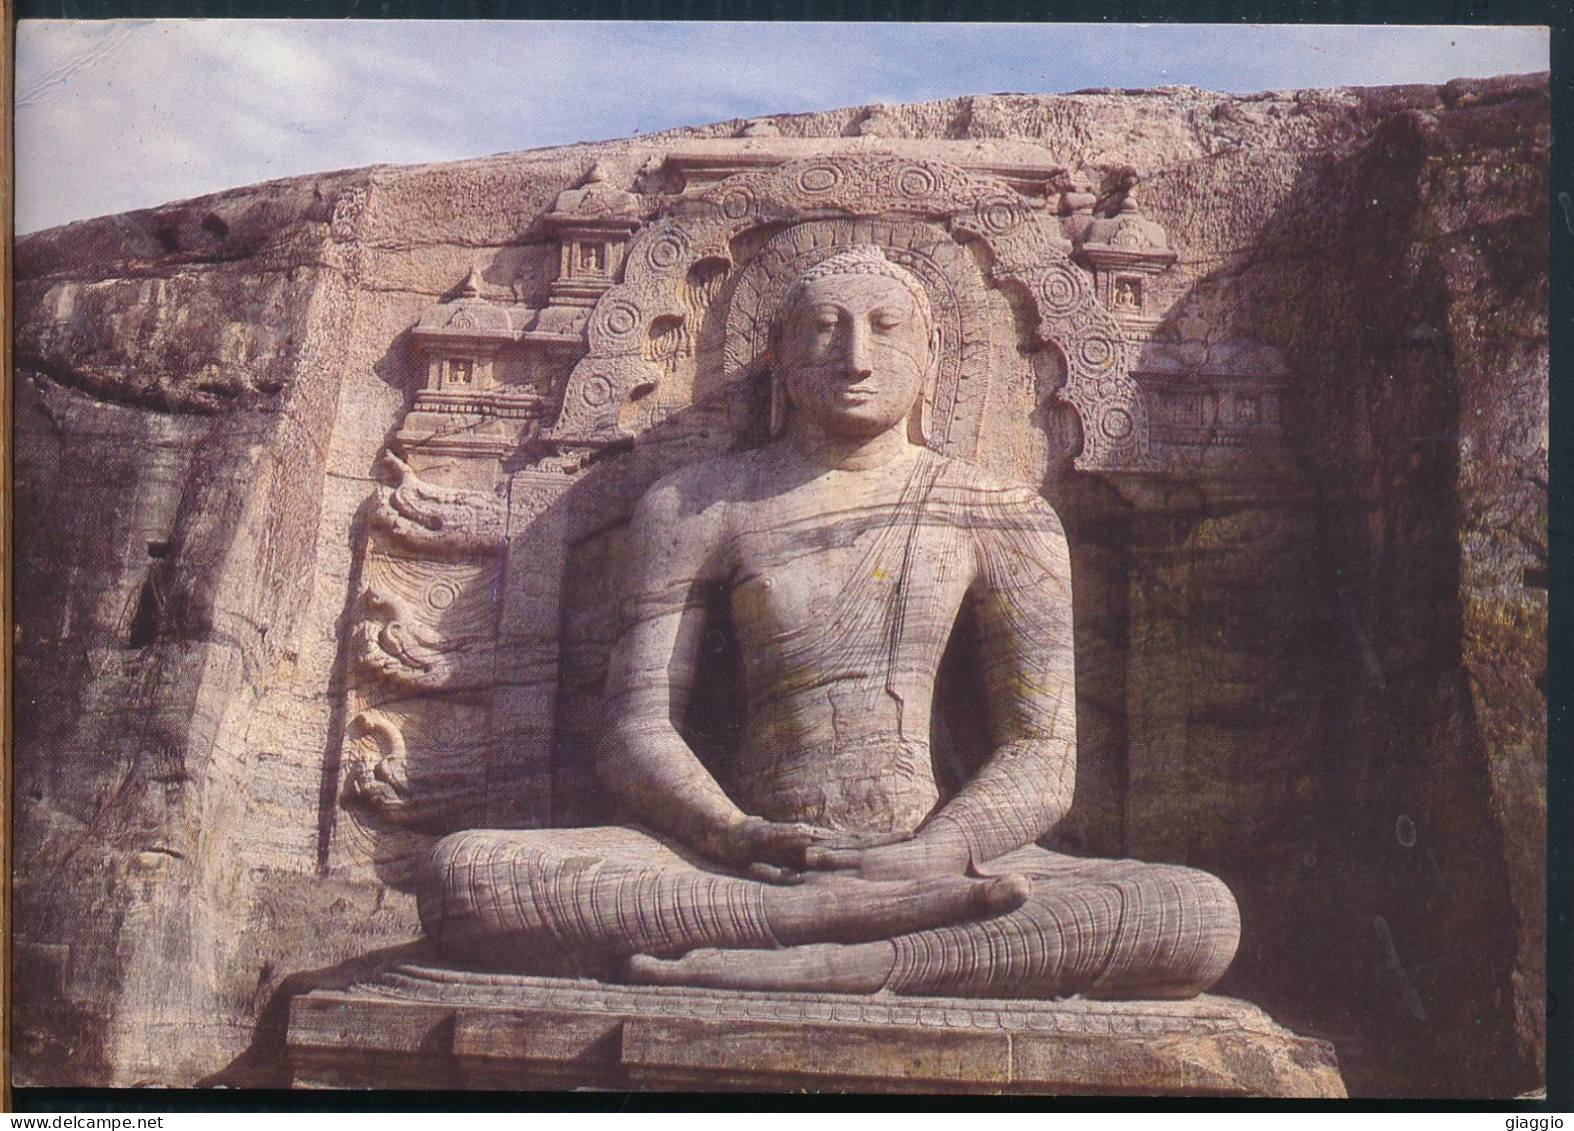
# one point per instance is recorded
(859, 359)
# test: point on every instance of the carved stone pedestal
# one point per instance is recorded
(419, 1027)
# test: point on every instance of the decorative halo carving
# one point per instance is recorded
(618, 319)
(1022, 248)
(667, 249)
(1061, 289)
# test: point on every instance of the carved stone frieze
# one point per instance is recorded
(1215, 406)
(1020, 241)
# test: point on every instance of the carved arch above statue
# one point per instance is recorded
(1026, 256)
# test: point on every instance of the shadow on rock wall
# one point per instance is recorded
(1395, 902)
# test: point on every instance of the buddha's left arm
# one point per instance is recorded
(1022, 598)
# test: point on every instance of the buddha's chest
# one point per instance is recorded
(859, 563)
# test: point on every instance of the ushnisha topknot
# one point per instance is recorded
(860, 259)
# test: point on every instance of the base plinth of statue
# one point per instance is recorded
(422, 1027)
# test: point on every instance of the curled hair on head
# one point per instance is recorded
(860, 259)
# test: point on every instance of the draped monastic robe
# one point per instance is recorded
(843, 602)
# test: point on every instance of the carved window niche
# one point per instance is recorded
(459, 373)
(593, 258)
(468, 346)
(593, 224)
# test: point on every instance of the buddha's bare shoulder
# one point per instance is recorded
(701, 492)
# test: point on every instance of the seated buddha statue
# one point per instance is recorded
(821, 853)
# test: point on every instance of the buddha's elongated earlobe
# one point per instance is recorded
(920, 422)
(773, 358)
(778, 404)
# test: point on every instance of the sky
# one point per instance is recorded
(116, 115)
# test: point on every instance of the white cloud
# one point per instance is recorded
(119, 115)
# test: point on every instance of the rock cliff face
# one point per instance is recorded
(1320, 675)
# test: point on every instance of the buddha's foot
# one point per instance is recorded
(861, 968)
(844, 909)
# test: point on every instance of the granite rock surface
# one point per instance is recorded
(1316, 670)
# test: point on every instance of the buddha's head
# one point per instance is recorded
(854, 343)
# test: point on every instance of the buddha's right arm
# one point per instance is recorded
(643, 760)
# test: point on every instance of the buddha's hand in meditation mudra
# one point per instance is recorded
(820, 854)
(792, 852)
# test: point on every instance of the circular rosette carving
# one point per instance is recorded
(441, 594)
(738, 202)
(916, 183)
(666, 249)
(597, 390)
(1098, 384)
(1117, 423)
(999, 213)
(617, 322)
(919, 186)
(1062, 291)
(1098, 354)
(995, 212)
(820, 179)
(1114, 423)
(1092, 343)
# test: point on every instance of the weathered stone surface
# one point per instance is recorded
(1310, 651)
(423, 1027)
(826, 848)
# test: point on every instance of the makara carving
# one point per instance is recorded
(422, 649)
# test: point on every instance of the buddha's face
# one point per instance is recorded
(855, 353)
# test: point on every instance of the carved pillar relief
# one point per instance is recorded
(451, 653)
(1127, 251)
